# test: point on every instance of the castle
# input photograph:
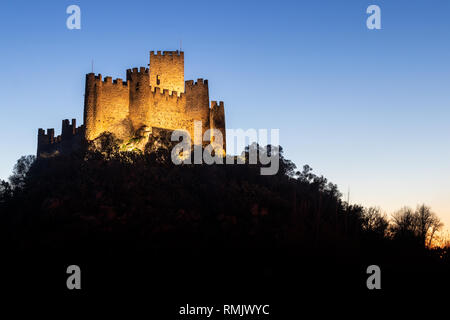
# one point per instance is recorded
(151, 100)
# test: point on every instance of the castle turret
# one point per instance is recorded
(217, 120)
(197, 101)
(139, 98)
(43, 141)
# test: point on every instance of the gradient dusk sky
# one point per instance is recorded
(368, 109)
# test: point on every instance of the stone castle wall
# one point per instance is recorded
(106, 106)
(70, 140)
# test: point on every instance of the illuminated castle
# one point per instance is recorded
(150, 100)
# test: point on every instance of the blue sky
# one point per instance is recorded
(369, 109)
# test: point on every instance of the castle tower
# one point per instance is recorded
(217, 121)
(167, 70)
(139, 97)
(197, 102)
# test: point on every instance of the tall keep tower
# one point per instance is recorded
(167, 70)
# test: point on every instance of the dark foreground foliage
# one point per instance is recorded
(139, 214)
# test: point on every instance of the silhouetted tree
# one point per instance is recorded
(418, 225)
(254, 151)
(5, 191)
(403, 224)
(97, 201)
(21, 168)
(374, 222)
(427, 224)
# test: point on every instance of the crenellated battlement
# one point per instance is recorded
(49, 144)
(166, 53)
(48, 137)
(199, 82)
(67, 129)
(119, 81)
(215, 105)
(135, 73)
(167, 93)
(106, 80)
